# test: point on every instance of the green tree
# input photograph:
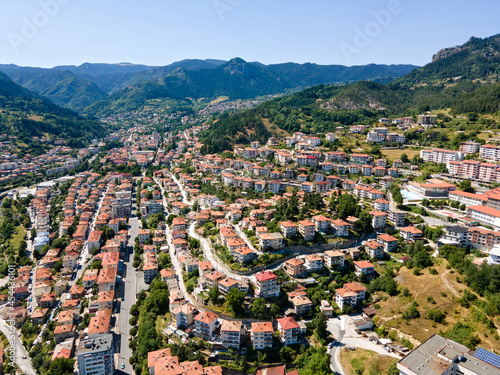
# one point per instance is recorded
(466, 186)
(259, 309)
(234, 301)
(320, 326)
(62, 366)
(346, 206)
(214, 294)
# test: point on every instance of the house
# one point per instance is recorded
(295, 267)
(243, 254)
(326, 308)
(300, 303)
(307, 229)
(334, 259)
(381, 205)
(205, 325)
(288, 228)
(349, 295)
(374, 249)
(271, 241)
(340, 227)
(389, 242)
(411, 233)
(314, 262)
(267, 285)
(289, 330)
(230, 332)
(262, 335)
(322, 223)
(379, 219)
(182, 316)
(364, 267)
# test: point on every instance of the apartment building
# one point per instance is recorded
(334, 259)
(307, 229)
(439, 156)
(205, 325)
(95, 355)
(289, 330)
(262, 335)
(349, 295)
(231, 334)
(267, 284)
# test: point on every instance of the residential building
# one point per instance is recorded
(374, 249)
(334, 259)
(95, 355)
(411, 233)
(288, 228)
(205, 325)
(364, 267)
(295, 267)
(262, 335)
(307, 229)
(289, 330)
(267, 284)
(182, 316)
(388, 242)
(349, 295)
(231, 334)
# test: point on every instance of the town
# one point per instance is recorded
(160, 259)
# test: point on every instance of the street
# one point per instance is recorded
(22, 358)
(129, 291)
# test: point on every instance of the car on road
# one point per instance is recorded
(330, 345)
(122, 366)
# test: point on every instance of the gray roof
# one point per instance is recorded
(95, 344)
(438, 354)
(456, 229)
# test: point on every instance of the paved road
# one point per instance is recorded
(208, 254)
(346, 336)
(336, 326)
(20, 352)
(242, 234)
(128, 291)
(183, 192)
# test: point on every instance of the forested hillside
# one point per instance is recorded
(25, 114)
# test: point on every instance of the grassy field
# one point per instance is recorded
(485, 136)
(444, 290)
(365, 362)
(17, 238)
(396, 154)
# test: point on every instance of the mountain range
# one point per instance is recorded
(96, 89)
(464, 79)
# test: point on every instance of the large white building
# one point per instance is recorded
(438, 155)
(485, 215)
(489, 152)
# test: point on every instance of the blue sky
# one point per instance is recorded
(158, 32)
